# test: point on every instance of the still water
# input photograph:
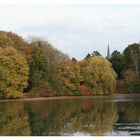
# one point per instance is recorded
(75, 117)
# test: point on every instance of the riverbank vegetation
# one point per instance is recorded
(38, 69)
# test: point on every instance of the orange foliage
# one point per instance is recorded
(85, 90)
(39, 91)
(83, 63)
(16, 41)
(42, 90)
(86, 105)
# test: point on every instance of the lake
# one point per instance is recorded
(72, 117)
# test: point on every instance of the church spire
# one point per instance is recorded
(108, 52)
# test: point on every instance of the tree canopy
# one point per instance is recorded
(39, 68)
(117, 61)
(13, 73)
(100, 76)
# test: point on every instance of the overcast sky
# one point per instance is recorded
(75, 29)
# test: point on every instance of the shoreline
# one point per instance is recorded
(74, 97)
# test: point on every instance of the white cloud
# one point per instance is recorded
(75, 29)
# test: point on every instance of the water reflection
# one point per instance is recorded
(13, 120)
(129, 118)
(70, 117)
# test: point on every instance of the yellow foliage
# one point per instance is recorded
(14, 120)
(69, 74)
(99, 75)
(12, 93)
(13, 72)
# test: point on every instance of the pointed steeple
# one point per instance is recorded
(108, 52)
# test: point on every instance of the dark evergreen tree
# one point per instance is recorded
(117, 61)
(96, 53)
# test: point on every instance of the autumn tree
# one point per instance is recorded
(17, 42)
(13, 73)
(59, 74)
(100, 76)
(132, 82)
(5, 40)
(62, 72)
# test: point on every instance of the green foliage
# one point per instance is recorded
(38, 67)
(48, 65)
(13, 73)
(99, 75)
(88, 56)
(117, 61)
(132, 68)
(95, 53)
(55, 73)
(132, 57)
(61, 70)
(135, 54)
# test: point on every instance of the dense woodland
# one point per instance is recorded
(35, 68)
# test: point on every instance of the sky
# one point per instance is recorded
(75, 29)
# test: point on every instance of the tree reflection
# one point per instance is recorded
(97, 119)
(68, 117)
(130, 112)
(13, 120)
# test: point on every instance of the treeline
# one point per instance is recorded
(126, 66)
(40, 70)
